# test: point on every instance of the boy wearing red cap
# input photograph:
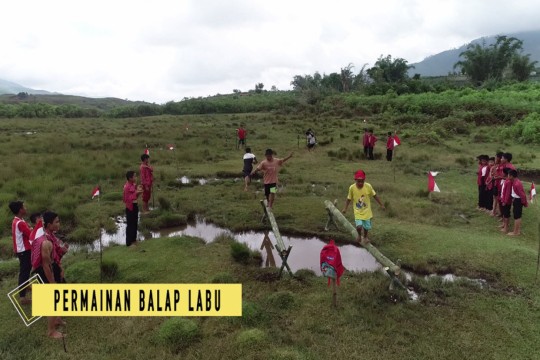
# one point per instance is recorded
(360, 193)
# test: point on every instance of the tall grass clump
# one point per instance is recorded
(178, 333)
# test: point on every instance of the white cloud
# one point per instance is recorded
(166, 50)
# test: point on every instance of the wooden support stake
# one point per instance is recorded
(339, 217)
(280, 245)
(334, 293)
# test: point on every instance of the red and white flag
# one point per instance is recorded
(397, 141)
(147, 151)
(533, 192)
(37, 231)
(432, 185)
(170, 147)
(95, 192)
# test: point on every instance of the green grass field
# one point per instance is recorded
(57, 165)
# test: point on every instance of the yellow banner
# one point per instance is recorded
(137, 300)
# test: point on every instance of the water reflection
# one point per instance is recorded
(267, 246)
(305, 253)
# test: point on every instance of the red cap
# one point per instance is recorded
(360, 174)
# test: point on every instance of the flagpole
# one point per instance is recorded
(538, 258)
(393, 164)
(100, 242)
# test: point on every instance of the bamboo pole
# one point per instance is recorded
(339, 217)
(280, 245)
(270, 216)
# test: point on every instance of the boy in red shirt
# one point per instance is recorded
(505, 199)
(365, 142)
(241, 136)
(389, 146)
(131, 193)
(519, 200)
(372, 139)
(147, 180)
(20, 233)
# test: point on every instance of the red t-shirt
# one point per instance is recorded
(130, 195)
(147, 175)
(241, 133)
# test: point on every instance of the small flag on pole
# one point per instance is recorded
(170, 147)
(95, 192)
(147, 151)
(432, 185)
(397, 141)
(533, 192)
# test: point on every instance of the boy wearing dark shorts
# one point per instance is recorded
(271, 167)
(519, 200)
(249, 160)
(506, 201)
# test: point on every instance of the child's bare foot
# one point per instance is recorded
(56, 335)
(513, 234)
(503, 230)
(365, 241)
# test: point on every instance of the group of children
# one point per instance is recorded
(39, 251)
(500, 190)
(369, 139)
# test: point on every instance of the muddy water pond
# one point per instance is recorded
(304, 254)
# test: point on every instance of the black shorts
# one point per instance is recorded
(518, 209)
(495, 191)
(310, 146)
(247, 172)
(505, 211)
(56, 274)
(242, 141)
(268, 189)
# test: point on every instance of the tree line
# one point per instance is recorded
(485, 67)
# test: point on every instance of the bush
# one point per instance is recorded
(525, 131)
(251, 338)
(240, 252)
(252, 313)
(164, 204)
(109, 270)
(281, 300)
(178, 333)
(112, 196)
(222, 278)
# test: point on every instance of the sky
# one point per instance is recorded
(164, 50)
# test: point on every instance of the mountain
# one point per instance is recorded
(9, 91)
(101, 104)
(443, 63)
(8, 87)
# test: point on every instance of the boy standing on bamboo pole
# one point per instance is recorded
(360, 193)
(270, 166)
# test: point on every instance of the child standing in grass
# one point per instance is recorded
(131, 193)
(147, 180)
(372, 139)
(505, 199)
(519, 200)
(360, 194)
(365, 142)
(20, 233)
(389, 147)
(249, 161)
